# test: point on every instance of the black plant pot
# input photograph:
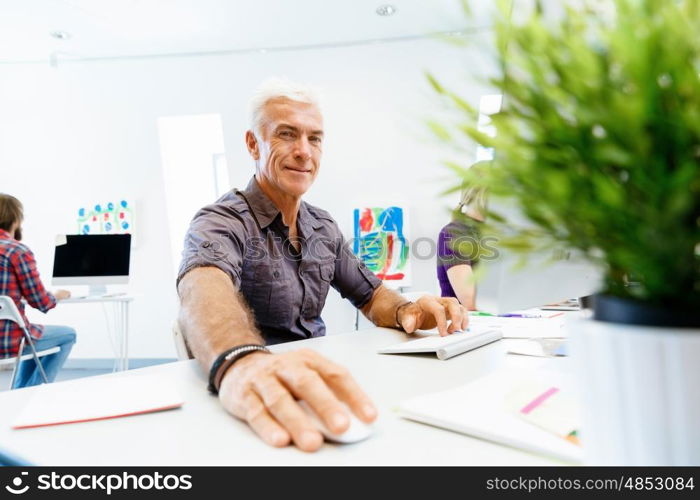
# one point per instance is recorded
(633, 312)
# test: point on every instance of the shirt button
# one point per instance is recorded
(205, 244)
(276, 274)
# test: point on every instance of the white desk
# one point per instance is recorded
(121, 322)
(202, 433)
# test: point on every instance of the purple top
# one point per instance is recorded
(450, 236)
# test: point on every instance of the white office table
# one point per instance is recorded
(202, 433)
(121, 322)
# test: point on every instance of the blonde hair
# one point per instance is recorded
(474, 198)
(278, 88)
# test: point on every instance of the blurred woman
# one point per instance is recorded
(458, 245)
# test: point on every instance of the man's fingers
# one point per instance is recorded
(465, 319)
(263, 391)
(437, 310)
(288, 413)
(308, 385)
(456, 313)
(345, 387)
(263, 423)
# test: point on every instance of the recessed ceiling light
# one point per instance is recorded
(386, 10)
(60, 35)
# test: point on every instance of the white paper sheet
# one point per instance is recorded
(479, 409)
(97, 398)
(522, 328)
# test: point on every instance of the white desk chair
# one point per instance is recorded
(8, 311)
(181, 347)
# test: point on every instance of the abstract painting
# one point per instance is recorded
(110, 218)
(380, 241)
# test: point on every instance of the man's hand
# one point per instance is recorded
(61, 294)
(262, 389)
(426, 313)
(429, 312)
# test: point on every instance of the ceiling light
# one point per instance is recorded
(60, 35)
(386, 10)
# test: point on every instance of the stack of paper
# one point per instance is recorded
(540, 347)
(548, 407)
(97, 398)
(522, 328)
(482, 409)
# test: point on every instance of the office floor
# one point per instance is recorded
(73, 372)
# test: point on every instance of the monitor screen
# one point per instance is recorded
(93, 255)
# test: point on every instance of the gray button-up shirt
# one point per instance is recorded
(242, 234)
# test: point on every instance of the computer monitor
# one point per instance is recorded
(504, 286)
(96, 260)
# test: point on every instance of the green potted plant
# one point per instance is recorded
(598, 145)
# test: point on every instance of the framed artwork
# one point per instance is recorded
(108, 218)
(381, 242)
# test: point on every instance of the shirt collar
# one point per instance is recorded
(265, 211)
(5, 235)
(307, 219)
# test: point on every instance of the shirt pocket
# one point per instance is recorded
(266, 287)
(320, 276)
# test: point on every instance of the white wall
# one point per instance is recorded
(87, 131)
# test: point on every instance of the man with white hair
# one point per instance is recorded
(256, 269)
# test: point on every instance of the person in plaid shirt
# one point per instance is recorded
(19, 279)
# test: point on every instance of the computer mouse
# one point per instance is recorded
(358, 430)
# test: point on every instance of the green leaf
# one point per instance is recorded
(598, 142)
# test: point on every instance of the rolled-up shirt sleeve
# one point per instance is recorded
(352, 279)
(450, 241)
(215, 238)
